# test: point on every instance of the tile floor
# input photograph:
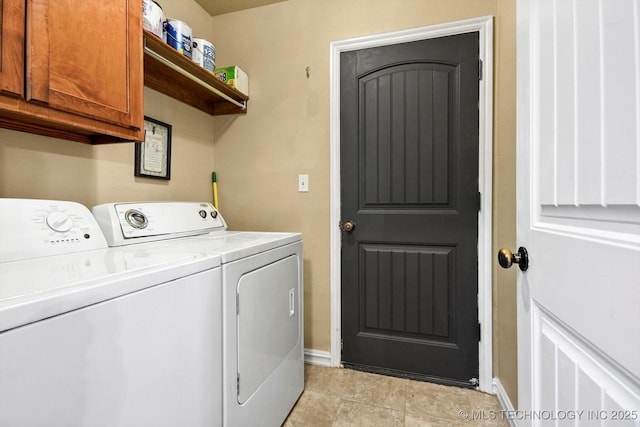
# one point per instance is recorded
(344, 397)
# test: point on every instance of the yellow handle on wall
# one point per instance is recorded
(214, 184)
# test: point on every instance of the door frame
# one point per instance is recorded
(484, 26)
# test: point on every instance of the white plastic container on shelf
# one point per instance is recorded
(179, 36)
(204, 53)
(153, 18)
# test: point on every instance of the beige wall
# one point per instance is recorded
(32, 166)
(285, 133)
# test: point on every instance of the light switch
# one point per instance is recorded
(303, 183)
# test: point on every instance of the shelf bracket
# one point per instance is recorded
(174, 67)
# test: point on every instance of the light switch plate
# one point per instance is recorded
(303, 183)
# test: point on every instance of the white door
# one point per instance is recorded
(578, 196)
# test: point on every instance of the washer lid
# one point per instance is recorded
(35, 289)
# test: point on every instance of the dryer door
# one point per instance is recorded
(268, 322)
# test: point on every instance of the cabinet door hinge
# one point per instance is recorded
(479, 332)
(480, 69)
(479, 201)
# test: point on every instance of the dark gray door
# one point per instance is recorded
(409, 183)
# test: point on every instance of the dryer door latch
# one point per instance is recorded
(292, 302)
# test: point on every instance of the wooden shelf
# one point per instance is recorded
(169, 72)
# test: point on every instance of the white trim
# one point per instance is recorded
(504, 400)
(484, 26)
(317, 357)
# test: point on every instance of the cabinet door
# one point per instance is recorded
(86, 58)
(12, 47)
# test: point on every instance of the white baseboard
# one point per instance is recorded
(317, 357)
(504, 400)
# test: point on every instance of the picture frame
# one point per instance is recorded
(153, 155)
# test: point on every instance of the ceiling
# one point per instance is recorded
(218, 7)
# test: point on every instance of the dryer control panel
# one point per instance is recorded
(138, 222)
(32, 228)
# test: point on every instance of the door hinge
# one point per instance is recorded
(479, 332)
(238, 384)
(480, 69)
(341, 344)
(479, 201)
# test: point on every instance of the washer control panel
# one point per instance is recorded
(138, 222)
(31, 228)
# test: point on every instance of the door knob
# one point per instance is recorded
(506, 259)
(348, 226)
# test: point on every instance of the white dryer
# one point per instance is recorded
(262, 293)
(98, 336)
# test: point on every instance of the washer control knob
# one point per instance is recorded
(136, 219)
(214, 214)
(59, 221)
(203, 213)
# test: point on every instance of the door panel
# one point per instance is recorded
(406, 291)
(405, 126)
(579, 205)
(409, 171)
(105, 83)
(12, 47)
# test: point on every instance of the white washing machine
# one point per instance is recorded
(97, 336)
(263, 364)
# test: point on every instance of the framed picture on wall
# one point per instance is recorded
(153, 155)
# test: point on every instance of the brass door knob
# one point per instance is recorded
(506, 259)
(348, 226)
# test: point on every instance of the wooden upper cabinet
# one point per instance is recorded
(81, 76)
(81, 61)
(12, 47)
